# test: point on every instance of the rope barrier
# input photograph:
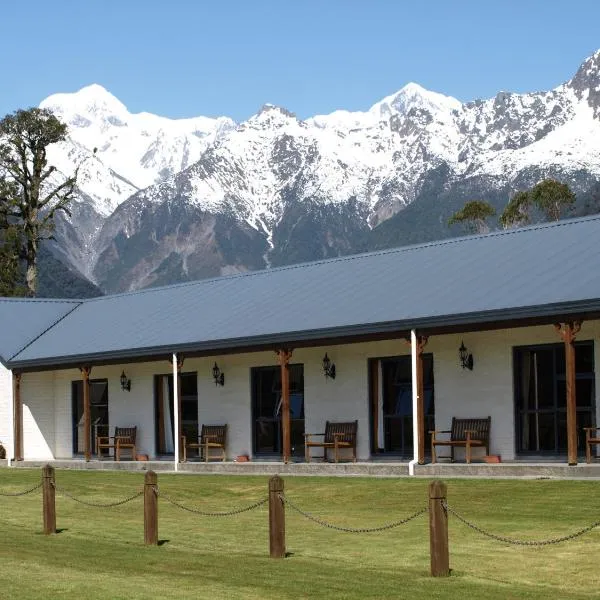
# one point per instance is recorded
(235, 511)
(23, 493)
(323, 523)
(501, 538)
(97, 504)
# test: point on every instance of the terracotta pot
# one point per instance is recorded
(492, 458)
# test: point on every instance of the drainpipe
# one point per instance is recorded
(176, 409)
(10, 447)
(415, 402)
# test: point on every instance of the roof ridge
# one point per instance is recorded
(350, 257)
(40, 300)
(41, 333)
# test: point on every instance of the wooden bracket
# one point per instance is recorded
(568, 330)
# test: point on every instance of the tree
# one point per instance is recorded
(552, 197)
(517, 212)
(30, 195)
(474, 215)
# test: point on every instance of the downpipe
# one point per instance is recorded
(415, 402)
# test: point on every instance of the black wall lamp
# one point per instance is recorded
(125, 383)
(328, 367)
(218, 376)
(466, 358)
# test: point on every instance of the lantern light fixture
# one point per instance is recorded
(328, 367)
(125, 383)
(218, 376)
(466, 358)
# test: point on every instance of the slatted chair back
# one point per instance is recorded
(347, 431)
(126, 434)
(479, 428)
(216, 433)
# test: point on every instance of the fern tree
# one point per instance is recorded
(474, 215)
(31, 192)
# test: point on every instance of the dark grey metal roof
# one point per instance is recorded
(23, 320)
(530, 272)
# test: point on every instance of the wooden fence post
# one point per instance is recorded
(276, 518)
(438, 530)
(48, 500)
(151, 509)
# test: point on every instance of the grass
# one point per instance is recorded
(99, 551)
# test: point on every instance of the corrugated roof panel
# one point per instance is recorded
(530, 267)
(25, 319)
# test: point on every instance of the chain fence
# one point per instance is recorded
(516, 542)
(228, 513)
(64, 492)
(22, 493)
(324, 523)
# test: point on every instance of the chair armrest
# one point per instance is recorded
(103, 439)
(309, 434)
(591, 428)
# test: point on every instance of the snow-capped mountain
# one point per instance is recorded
(133, 151)
(198, 197)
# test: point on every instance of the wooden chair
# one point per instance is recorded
(336, 436)
(591, 438)
(123, 438)
(465, 433)
(212, 437)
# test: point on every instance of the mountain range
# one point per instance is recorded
(164, 200)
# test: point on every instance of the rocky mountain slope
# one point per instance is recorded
(166, 201)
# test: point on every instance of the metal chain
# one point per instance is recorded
(97, 504)
(235, 511)
(508, 540)
(13, 494)
(351, 529)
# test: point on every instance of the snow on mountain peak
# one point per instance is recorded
(90, 101)
(412, 95)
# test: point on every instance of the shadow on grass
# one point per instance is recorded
(163, 542)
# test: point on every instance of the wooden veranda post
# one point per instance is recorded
(568, 331)
(438, 530)
(150, 509)
(17, 417)
(284, 361)
(87, 422)
(276, 518)
(421, 343)
(48, 500)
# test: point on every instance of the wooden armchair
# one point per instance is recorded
(336, 436)
(466, 433)
(591, 438)
(212, 437)
(123, 438)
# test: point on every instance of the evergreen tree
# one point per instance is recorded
(552, 197)
(517, 212)
(31, 192)
(473, 215)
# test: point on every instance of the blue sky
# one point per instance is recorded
(186, 58)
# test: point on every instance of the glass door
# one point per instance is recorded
(266, 410)
(98, 413)
(164, 421)
(540, 386)
(393, 405)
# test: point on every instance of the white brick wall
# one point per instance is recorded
(487, 390)
(6, 426)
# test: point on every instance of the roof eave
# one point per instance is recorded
(441, 324)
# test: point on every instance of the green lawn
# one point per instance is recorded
(99, 552)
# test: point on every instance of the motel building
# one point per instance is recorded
(501, 329)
